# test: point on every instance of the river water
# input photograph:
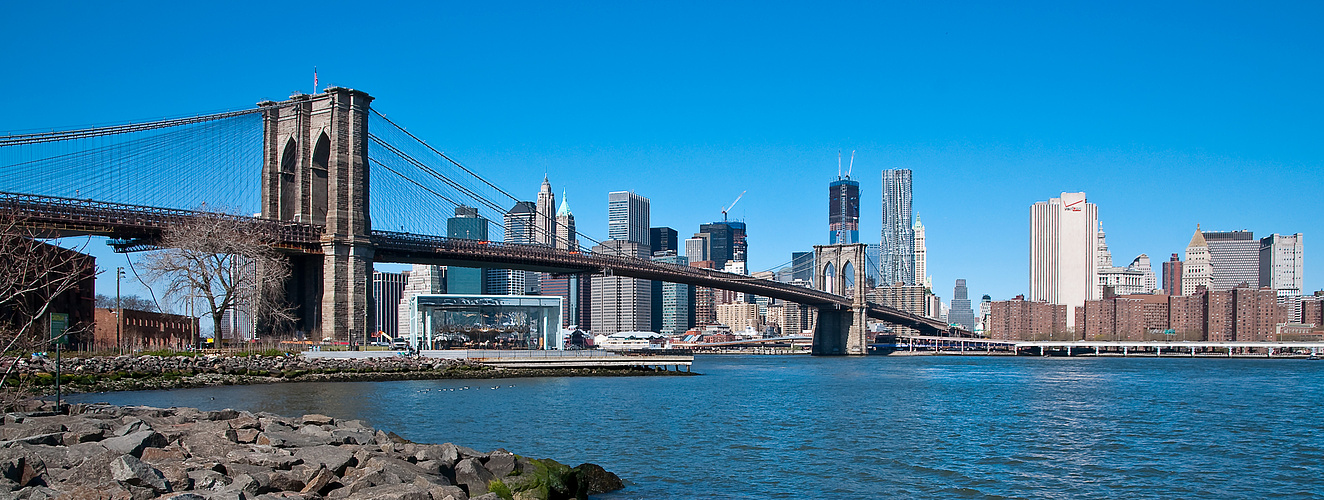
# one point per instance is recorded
(871, 427)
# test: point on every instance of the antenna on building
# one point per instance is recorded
(838, 164)
(852, 163)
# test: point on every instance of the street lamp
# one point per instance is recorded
(119, 312)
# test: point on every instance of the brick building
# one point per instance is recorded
(1020, 319)
(1115, 318)
(78, 301)
(146, 331)
(1186, 316)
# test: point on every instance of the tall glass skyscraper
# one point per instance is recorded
(628, 218)
(843, 211)
(466, 224)
(898, 252)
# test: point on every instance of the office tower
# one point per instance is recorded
(1282, 260)
(566, 238)
(422, 280)
(696, 249)
(387, 289)
(802, 266)
(721, 242)
(843, 211)
(741, 318)
(466, 224)
(628, 217)
(1172, 275)
(671, 301)
(521, 227)
(873, 268)
(544, 232)
(621, 304)
(1234, 258)
(1064, 252)
(663, 239)
(921, 256)
(739, 247)
(898, 252)
(1196, 271)
(961, 313)
(703, 301)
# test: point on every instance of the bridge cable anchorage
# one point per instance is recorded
(64, 135)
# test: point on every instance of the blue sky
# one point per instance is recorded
(1165, 115)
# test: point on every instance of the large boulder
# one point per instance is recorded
(129, 470)
(134, 443)
(472, 476)
(334, 458)
(598, 480)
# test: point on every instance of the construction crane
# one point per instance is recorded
(733, 204)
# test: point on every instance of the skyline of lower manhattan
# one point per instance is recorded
(449, 250)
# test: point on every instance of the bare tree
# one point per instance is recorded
(227, 263)
(33, 277)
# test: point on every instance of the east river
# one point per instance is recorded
(874, 427)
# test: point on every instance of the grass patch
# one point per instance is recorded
(170, 353)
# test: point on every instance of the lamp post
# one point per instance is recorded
(119, 312)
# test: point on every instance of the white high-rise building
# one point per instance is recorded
(1149, 280)
(628, 217)
(1282, 261)
(1197, 270)
(421, 280)
(696, 249)
(921, 257)
(544, 232)
(1064, 251)
(621, 304)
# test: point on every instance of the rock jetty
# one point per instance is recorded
(103, 451)
(142, 372)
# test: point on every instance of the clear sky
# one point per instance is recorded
(1167, 114)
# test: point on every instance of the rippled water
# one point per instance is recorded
(921, 427)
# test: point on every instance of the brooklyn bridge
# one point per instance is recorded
(338, 186)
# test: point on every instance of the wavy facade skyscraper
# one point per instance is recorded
(898, 245)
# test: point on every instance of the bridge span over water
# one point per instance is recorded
(314, 183)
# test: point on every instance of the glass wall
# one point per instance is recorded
(485, 322)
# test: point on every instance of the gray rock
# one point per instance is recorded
(134, 443)
(501, 463)
(129, 470)
(394, 492)
(226, 414)
(51, 439)
(472, 476)
(285, 481)
(315, 419)
(598, 480)
(319, 482)
(279, 460)
(209, 480)
(353, 436)
(486, 496)
(332, 457)
(467, 452)
(184, 496)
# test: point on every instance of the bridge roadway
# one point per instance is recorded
(140, 226)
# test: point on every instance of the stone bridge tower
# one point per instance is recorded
(841, 330)
(315, 170)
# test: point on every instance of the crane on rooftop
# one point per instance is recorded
(733, 204)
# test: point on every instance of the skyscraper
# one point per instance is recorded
(544, 232)
(921, 256)
(628, 217)
(466, 224)
(1234, 257)
(566, 238)
(1196, 271)
(802, 266)
(1064, 252)
(898, 251)
(621, 304)
(696, 249)
(671, 301)
(387, 288)
(843, 211)
(721, 243)
(663, 238)
(1172, 275)
(961, 313)
(521, 227)
(1282, 260)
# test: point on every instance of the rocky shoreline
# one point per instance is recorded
(146, 372)
(111, 452)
